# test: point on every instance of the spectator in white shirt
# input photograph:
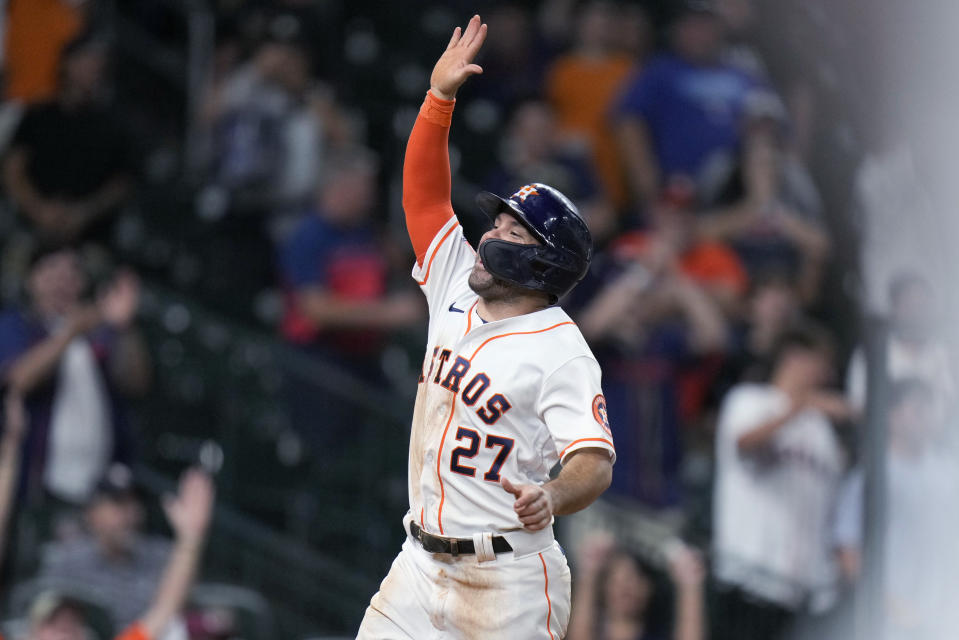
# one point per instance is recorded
(72, 360)
(913, 349)
(779, 464)
(921, 560)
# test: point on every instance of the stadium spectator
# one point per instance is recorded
(913, 348)
(112, 560)
(648, 320)
(70, 165)
(530, 152)
(581, 87)
(614, 596)
(672, 236)
(779, 465)
(267, 133)
(635, 34)
(514, 58)
(338, 303)
(740, 23)
(890, 180)
(772, 307)
(746, 30)
(72, 360)
(35, 33)
(765, 203)
(684, 109)
(920, 558)
(55, 616)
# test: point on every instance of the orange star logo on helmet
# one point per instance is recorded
(528, 190)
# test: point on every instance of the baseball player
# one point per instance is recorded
(508, 389)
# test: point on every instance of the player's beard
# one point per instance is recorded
(490, 288)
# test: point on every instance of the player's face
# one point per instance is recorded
(486, 285)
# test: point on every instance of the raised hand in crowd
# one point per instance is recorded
(14, 428)
(189, 513)
(688, 574)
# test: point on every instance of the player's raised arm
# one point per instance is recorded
(426, 171)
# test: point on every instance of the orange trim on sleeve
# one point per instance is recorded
(426, 174)
(549, 603)
(429, 265)
(575, 442)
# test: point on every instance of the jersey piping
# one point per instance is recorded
(429, 264)
(449, 420)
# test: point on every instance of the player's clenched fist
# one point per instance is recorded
(456, 63)
(533, 506)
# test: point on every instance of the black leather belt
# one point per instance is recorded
(453, 546)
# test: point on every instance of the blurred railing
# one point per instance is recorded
(219, 400)
(305, 587)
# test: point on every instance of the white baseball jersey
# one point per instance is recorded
(506, 398)
(773, 508)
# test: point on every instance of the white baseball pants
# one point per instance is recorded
(429, 596)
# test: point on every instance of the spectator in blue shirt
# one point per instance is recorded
(650, 323)
(338, 306)
(335, 272)
(684, 108)
(71, 360)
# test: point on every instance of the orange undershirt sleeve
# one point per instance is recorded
(426, 174)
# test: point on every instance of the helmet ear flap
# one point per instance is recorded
(530, 266)
(539, 266)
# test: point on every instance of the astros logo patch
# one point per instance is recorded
(599, 412)
(528, 190)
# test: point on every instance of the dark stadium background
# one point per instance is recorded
(306, 544)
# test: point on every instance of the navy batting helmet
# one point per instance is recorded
(562, 258)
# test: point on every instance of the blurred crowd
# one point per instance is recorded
(736, 397)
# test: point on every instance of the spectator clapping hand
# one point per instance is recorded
(117, 304)
(833, 404)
